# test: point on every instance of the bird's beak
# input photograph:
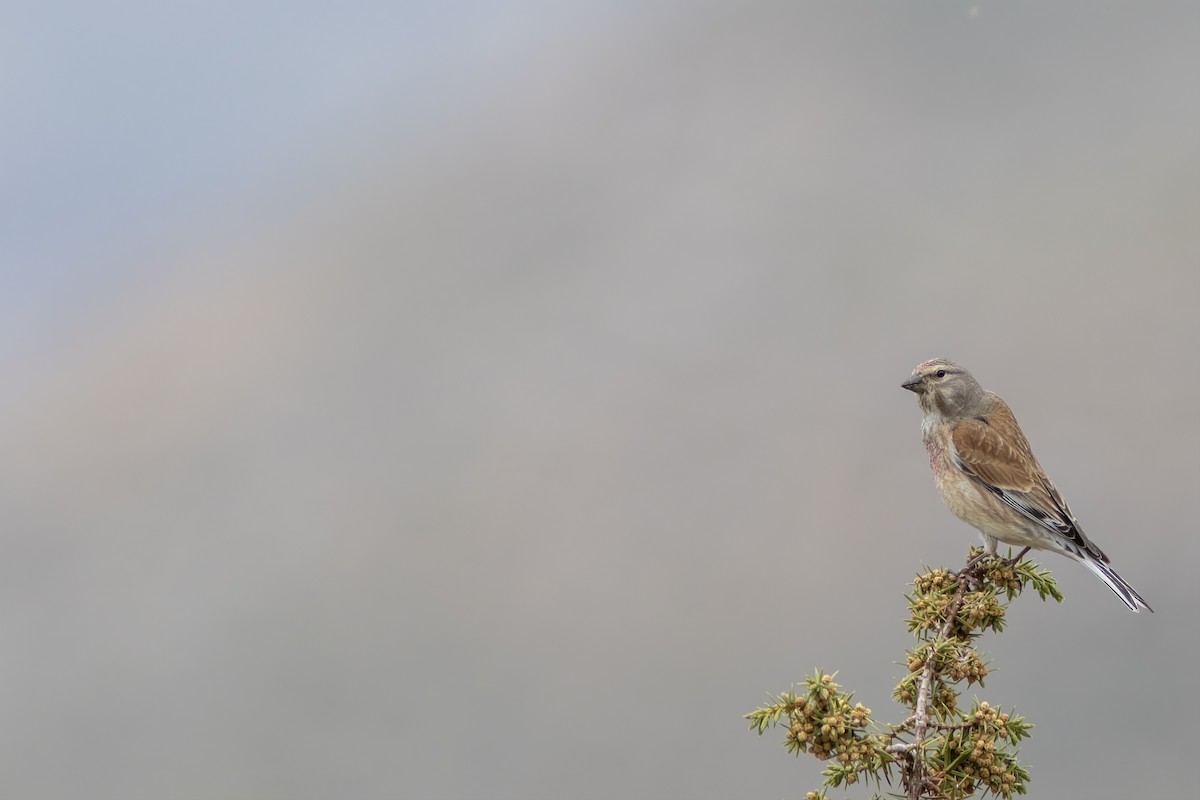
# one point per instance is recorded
(913, 384)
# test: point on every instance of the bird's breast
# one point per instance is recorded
(933, 435)
(937, 455)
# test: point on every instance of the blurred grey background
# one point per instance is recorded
(499, 399)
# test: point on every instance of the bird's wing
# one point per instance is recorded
(994, 452)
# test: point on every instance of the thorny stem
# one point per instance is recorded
(920, 720)
(941, 726)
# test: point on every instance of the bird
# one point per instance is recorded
(987, 474)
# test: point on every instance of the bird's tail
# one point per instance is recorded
(1120, 588)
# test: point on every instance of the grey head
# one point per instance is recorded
(944, 388)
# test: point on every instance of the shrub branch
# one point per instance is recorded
(939, 750)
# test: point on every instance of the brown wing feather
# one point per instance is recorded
(995, 453)
(992, 456)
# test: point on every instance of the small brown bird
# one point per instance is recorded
(987, 475)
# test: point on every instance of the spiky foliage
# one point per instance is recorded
(941, 750)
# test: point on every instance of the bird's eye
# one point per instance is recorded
(941, 373)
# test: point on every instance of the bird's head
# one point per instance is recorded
(943, 387)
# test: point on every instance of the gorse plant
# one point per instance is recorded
(941, 750)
